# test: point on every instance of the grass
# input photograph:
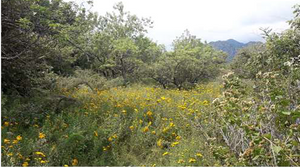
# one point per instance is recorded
(136, 125)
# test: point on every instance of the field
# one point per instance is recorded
(136, 125)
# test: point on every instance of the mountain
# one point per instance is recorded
(230, 46)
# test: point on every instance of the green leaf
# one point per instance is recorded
(276, 149)
(286, 113)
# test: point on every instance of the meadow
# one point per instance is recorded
(134, 125)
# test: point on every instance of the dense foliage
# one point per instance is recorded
(83, 89)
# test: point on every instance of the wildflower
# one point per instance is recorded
(19, 137)
(199, 155)
(25, 164)
(114, 136)
(124, 111)
(166, 153)
(74, 162)
(42, 161)
(180, 161)
(40, 153)
(20, 155)
(165, 130)
(159, 143)
(174, 144)
(141, 121)
(131, 128)
(192, 160)
(95, 133)
(6, 123)
(153, 132)
(205, 102)
(42, 135)
(10, 154)
(136, 110)
(172, 124)
(146, 129)
(6, 141)
(110, 139)
(163, 98)
(15, 141)
(66, 165)
(149, 113)
(36, 125)
(27, 159)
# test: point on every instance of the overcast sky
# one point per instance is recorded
(209, 20)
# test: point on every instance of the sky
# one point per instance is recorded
(209, 20)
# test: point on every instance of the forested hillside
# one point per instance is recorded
(82, 89)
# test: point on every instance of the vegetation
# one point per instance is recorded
(82, 89)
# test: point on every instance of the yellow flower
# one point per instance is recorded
(141, 121)
(95, 133)
(42, 135)
(110, 139)
(178, 137)
(40, 153)
(25, 164)
(15, 141)
(19, 137)
(146, 129)
(205, 102)
(66, 165)
(6, 141)
(159, 143)
(192, 160)
(6, 123)
(124, 111)
(10, 154)
(149, 113)
(166, 153)
(199, 155)
(131, 128)
(74, 162)
(165, 130)
(180, 161)
(114, 136)
(136, 110)
(174, 144)
(42, 161)
(153, 132)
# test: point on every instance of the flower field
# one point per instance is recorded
(137, 125)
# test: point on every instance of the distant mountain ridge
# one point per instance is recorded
(231, 46)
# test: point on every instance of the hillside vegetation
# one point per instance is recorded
(79, 89)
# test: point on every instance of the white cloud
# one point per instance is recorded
(210, 20)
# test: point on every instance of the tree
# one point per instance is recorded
(191, 62)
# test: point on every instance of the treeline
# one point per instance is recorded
(43, 40)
